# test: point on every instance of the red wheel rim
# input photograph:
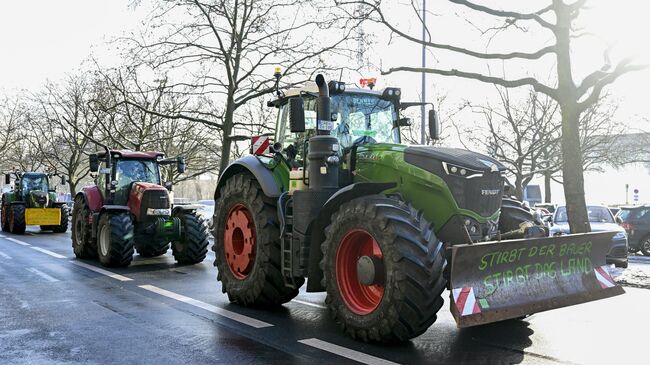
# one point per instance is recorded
(239, 241)
(359, 298)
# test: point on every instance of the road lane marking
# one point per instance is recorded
(30, 233)
(102, 271)
(53, 254)
(42, 274)
(309, 304)
(22, 243)
(346, 352)
(1, 236)
(209, 307)
(5, 256)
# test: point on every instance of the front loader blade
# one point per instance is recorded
(499, 280)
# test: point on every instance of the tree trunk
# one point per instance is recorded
(547, 187)
(228, 121)
(73, 188)
(574, 186)
(519, 189)
(572, 169)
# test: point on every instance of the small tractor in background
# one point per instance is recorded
(33, 202)
(385, 228)
(129, 208)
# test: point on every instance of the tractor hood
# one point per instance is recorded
(38, 199)
(469, 160)
(476, 181)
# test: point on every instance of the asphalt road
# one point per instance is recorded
(57, 309)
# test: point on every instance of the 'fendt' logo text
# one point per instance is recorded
(489, 192)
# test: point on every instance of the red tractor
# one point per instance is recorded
(128, 208)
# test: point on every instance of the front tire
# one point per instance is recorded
(193, 245)
(247, 245)
(63, 226)
(404, 295)
(115, 236)
(4, 215)
(17, 219)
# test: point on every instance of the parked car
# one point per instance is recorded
(636, 222)
(207, 211)
(600, 219)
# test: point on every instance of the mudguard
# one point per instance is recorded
(251, 164)
(92, 197)
(495, 281)
(317, 227)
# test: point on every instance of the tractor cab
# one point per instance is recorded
(358, 116)
(126, 171)
(123, 169)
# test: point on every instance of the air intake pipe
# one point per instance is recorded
(323, 114)
(322, 157)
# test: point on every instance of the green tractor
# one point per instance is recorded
(384, 228)
(33, 202)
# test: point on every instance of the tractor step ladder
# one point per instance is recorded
(287, 252)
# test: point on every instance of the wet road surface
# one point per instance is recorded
(57, 309)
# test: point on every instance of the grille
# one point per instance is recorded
(467, 192)
(157, 199)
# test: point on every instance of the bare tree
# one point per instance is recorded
(517, 134)
(61, 126)
(11, 112)
(143, 123)
(526, 136)
(557, 21)
(231, 48)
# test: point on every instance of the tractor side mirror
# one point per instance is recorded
(434, 125)
(63, 180)
(94, 163)
(297, 115)
(180, 164)
(168, 185)
(7, 179)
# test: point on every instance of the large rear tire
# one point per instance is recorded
(4, 214)
(63, 226)
(401, 296)
(83, 245)
(247, 245)
(193, 245)
(17, 219)
(115, 239)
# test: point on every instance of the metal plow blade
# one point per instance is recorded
(494, 281)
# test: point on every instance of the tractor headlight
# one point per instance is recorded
(619, 236)
(164, 211)
(460, 171)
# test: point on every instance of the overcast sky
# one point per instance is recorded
(44, 39)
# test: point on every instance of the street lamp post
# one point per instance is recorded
(424, 77)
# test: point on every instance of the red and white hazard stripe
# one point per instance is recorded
(260, 145)
(604, 279)
(465, 301)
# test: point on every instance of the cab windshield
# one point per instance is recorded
(34, 183)
(360, 118)
(128, 171)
